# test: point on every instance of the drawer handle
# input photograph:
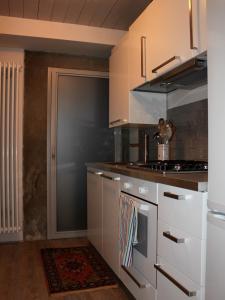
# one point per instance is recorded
(171, 237)
(95, 172)
(140, 285)
(165, 63)
(110, 178)
(174, 196)
(175, 282)
(118, 121)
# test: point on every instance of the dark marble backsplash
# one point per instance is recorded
(190, 141)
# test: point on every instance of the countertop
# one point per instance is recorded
(193, 181)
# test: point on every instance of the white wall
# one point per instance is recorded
(9, 55)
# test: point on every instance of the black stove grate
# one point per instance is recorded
(172, 166)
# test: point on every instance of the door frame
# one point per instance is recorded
(53, 76)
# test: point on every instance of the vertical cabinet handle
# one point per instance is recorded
(143, 57)
(191, 25)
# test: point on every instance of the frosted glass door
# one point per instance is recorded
(82, 136)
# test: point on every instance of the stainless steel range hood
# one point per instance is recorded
(189, 75)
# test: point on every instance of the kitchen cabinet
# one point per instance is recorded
(103, 214)
(118, 84)
(181, 243)
(126, 107)
(177, 31)
(110, 224)
(165, 35)
(94, 208)
(139, 50)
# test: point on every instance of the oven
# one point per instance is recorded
(141, 274)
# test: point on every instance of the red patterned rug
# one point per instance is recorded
(76, 269)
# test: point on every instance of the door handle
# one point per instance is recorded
(174, 196)
(110, 178)
(143, 57)
(95, 172)
(53, 154)
(139, 284)
(118, 121)
(191, 25)
(165, 63)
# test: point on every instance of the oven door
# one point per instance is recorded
(144, 253)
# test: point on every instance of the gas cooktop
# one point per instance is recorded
(172, 166)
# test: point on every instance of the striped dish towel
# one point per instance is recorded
(128, 229)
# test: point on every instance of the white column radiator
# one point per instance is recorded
(11, 110)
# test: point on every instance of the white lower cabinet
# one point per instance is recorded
(184, 252)
(181, 237)
(110, 224)
(94, 208)
(182, 219)
(103, 214)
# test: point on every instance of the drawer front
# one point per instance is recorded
(172, 285)
(184, 252)
(183, 209)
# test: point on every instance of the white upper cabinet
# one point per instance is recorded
(118, 84)
(177, 32)
(166, 34)
(127, 107)
(139, 50)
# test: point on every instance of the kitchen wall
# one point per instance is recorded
(188, 110)
(35, 133)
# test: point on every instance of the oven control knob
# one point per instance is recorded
(143, 190)
(127, 185)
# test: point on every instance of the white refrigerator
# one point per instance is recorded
(215, 262)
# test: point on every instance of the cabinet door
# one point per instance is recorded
(174, 33)
(94, 210)
(118, 85)
(110, 250)
(202, 26)
(139, 51)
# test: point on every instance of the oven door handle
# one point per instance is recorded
(141, 285)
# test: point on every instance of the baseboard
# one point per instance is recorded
(67, 234)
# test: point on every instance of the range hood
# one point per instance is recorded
(189, 75)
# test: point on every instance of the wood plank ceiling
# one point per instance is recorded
(116, 14)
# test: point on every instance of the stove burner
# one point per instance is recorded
(172, 166)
